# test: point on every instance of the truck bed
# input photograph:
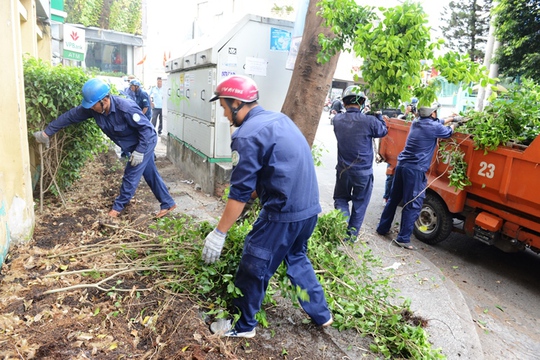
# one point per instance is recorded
(505, 181)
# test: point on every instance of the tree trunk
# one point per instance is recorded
(310, 80)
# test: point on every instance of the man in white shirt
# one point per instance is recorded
(156, 97)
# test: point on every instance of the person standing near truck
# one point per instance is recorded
(272, 161)
(355, 132)
(410, 182)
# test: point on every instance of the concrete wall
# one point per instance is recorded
(21, 34)
(212, 177)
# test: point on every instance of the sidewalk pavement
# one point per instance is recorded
(433, 297)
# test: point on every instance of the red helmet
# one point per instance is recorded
(237, 87)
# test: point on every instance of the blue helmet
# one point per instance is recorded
(414, 101)
(93, 91)
(135, 82)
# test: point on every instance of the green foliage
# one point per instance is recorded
(345, 18)
(456, 68)
(512, 117)
(359, 298)
(317, 153)
(84, 12)
(518, 29)
(450, 153)
(282, 11)
(466, 25)
(126, 16)
(118, 15)
(49, 92)
(395, 49)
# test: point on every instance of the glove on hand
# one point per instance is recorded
(42, 138)
(457, 119)
(213, 246)
(136, 158)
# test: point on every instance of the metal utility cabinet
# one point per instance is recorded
(199, 135)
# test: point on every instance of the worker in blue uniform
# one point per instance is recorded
(126, 92)
(141, 97)
(272, 160)
(355, 132)
(124, 123)
(409, 184)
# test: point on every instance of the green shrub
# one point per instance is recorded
(50, 91)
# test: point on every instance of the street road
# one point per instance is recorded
(502, 290)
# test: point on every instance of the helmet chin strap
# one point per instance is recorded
(102, 107)
(234, 111)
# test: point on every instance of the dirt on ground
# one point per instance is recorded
(88, 320)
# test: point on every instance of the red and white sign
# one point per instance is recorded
(74, 43)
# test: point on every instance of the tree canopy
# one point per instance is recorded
(465, 24)
(396, 47)
(518, 29)
(119, 15)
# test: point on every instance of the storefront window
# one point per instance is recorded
(106, 57)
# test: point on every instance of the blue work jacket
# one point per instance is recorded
(271, 155)
(355, 132)
(421, 143)
(142, 99)
(125, 124)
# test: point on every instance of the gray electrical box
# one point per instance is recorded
(254, 46)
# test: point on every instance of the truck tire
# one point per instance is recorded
(434, 224)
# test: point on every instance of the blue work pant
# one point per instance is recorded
(408, 185)
(132, 177)
(265, 247)
(356, 189)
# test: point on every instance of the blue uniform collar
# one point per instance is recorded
(113, 104)
(253, 112)
(353, 109)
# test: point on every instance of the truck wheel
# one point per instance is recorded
(434, 224)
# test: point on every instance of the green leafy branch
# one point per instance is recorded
(450, 153)
(511, 117)
(359, 297)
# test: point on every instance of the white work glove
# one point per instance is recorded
(457, 119)
(136, 158)
(213, 246)
(42, 138)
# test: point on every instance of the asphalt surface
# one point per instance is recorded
(433, 296)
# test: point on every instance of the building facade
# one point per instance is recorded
(26, 31)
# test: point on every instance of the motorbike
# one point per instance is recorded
(332, 114)
(327, 105)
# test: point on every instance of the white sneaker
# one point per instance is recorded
(223, 327)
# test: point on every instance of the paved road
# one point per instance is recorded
(501, 290)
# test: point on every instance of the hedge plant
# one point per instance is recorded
(49, 92)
